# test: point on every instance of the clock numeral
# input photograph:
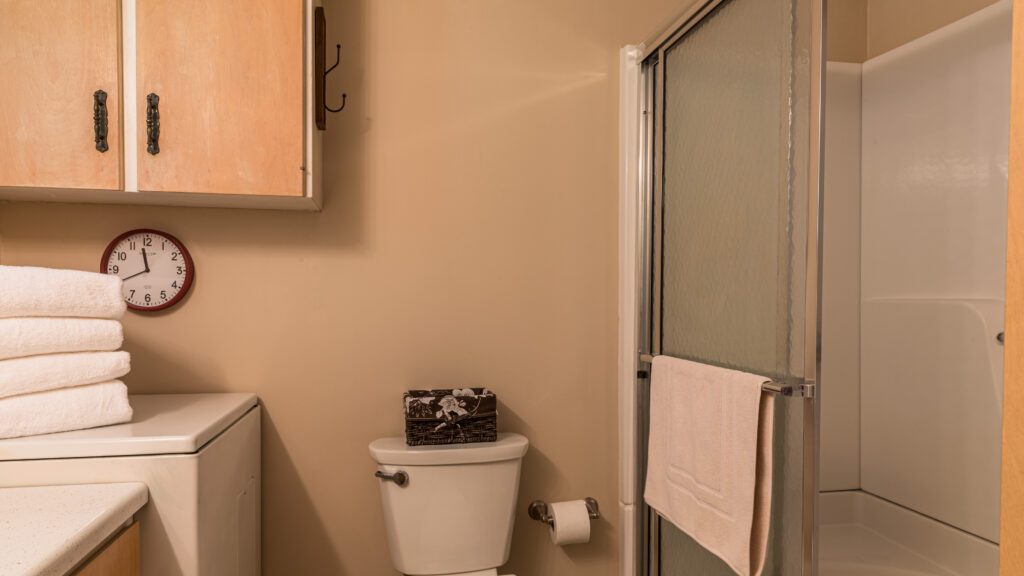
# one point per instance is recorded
(114, 268)
(131, 244)
(163, 246)
(147, 242)
(163, 294)
(174, 256)
(147, 298)
(180, 270)
(122, 256)
(131, 294)
(174, 284)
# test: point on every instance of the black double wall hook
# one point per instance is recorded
(344, 97)
(320, 75)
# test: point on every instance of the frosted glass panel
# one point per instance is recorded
(734, 132)
(726, 250)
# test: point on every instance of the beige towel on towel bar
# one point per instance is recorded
(709, 464)
(34, 336)
(51, 371)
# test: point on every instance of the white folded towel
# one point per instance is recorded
(65, 409)
(28, 291)
(51, 371)
(33, 336)
(709, 468)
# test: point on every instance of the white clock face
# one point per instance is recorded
(155, 268)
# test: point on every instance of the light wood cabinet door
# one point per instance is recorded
(54, 55)
(229, 76)
(120, 557)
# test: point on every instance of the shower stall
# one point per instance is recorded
(839, 226)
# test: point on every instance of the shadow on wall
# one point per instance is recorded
(310, 541)
(293, 530)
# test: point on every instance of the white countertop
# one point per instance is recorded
(48, 530)
(162, 424)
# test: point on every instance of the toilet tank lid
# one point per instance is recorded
(396, 451)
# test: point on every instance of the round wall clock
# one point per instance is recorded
(156, 268)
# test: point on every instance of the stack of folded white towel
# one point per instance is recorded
(59, 360)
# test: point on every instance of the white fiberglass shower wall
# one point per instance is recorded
(912, 364)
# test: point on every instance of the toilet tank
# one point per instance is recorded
(455, 513)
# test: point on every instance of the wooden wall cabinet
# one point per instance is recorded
(53, 57)
(232, 123)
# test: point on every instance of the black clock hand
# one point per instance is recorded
(134, 275)
(145, 261)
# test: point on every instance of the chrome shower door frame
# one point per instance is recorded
(649, 281)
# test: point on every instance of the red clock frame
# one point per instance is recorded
(190, 269)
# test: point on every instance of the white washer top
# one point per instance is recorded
(161, 424)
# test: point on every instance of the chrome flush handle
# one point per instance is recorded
(400, 478)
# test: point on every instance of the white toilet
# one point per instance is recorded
(449, 510)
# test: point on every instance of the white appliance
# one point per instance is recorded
(449, 510)
(199, 454)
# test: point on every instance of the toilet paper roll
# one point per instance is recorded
(571, 522)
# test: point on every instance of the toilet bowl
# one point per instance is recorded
(449, 510)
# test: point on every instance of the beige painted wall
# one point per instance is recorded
(862, 29)
(847, 30)
(468, 238)
(892, 23)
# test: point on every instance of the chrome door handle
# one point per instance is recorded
(400, 478)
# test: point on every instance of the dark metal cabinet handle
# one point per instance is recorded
(99, 119)
(153, 124)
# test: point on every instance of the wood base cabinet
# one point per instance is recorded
(205, 102)
(119, 557)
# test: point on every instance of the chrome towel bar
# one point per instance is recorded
(797, 387)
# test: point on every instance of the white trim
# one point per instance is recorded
(129, 98)
(627, 538)
(629, 197)
(312, 155)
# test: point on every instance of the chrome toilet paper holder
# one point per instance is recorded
(539, 511)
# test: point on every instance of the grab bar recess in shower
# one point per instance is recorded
(794, 387)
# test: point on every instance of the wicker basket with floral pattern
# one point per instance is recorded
(459, 416)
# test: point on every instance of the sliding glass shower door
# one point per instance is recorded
(732, 112)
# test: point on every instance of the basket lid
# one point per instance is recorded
(396, 451)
